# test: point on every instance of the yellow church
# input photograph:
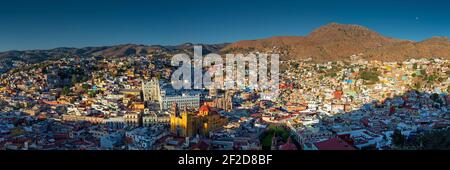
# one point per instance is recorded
(189, 123)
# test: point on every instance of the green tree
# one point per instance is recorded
(423, 72)
(85, 87)
(84, 78)
(432, 78)
(417, 85)
(65, 90)
(92, 94)
(74, 79)
(332, 74)
(273, 131)
(370, 76)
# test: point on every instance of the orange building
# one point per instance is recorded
(338, 94)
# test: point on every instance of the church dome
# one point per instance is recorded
(204, 108)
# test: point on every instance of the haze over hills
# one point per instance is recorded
(328, 43)
(106, 51)
(35, 56)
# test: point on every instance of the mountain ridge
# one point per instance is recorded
(330, 42)
(339, 41)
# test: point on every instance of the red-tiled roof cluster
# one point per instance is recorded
(333, 144)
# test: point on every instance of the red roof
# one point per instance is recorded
(204, 108)
(288, 146)
(256, 115)
(333, 144)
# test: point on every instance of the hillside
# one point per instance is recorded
(338, 41)
(331, 42)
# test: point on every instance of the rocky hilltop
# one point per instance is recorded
(339, 41)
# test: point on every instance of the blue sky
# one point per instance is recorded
(44, 24)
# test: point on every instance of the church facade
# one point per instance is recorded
(189, 123)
